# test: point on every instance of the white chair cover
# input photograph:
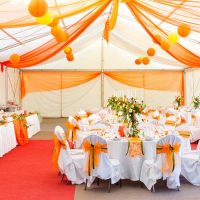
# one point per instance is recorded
(185, 147)
(107, 169)
(190, 167)
(70, 164)
(151, 170)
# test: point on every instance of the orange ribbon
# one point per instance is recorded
(71, 129)
(168, 163)
(56, 150)
(93, 155)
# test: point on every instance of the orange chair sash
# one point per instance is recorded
(184, 134)
(93, 155)
(73, 129)
(168, 163)
(56, 150)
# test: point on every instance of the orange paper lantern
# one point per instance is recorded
(146, 60)
(165, 45)
(38, 8)
(173, 37)
(56, 30)
(62, 37)
(151, 52)
(55, 22)
(184, 30)
(15, 59)
(68, 50)
(138, 61)
(157, 39)
(70, 57)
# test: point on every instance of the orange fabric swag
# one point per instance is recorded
(39, 81)
(151, 80)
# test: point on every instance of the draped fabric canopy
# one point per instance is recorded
(21, 34)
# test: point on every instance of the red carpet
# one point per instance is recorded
(26, 174)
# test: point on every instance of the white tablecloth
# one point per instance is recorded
(7, 138)
(117, 149)
(34, 125)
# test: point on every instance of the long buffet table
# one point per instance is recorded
(8, 136)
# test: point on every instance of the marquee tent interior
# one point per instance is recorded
(128, 41)
(115, 84)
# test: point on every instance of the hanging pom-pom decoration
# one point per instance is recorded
(165, 45)
(38, 8)
(157, 39)
(146, 60)
(45, 19)
(68, 50)
(70, 57)
(138, 61)
(151, 51)
(54, 22)
(173, 38)
(59, 34)
(15, 59)
(184, 30)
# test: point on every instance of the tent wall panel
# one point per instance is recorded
(150, 97)
(2, 88)
(59, 94)
(192, 85)
(11, 78)
(46, 103)
(85, 96)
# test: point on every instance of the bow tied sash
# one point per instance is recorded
(93, 155)
(58, 144)
(72, 131)
(169, 162)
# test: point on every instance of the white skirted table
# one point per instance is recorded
(33, 125)
(7, 138)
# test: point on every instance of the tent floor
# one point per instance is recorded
(47, 128)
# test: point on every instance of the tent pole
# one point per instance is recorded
(185, 91)
(102, 73)
(6, 85)
(20, 85)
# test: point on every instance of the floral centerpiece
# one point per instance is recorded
(196, 102)
(178, 101)
(126, 110)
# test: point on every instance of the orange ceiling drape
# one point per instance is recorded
(72, 9)
(40, 81)
(151, 80)
(51, 48)
(177, 51)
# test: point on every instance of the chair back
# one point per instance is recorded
(168, 157)
(97, 163)
(72, 127)
(60, 143)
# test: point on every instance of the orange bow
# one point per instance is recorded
(56, 150)
(169, 162)
(71, 129)
(93, 155)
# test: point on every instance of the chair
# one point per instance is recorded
(190, 167)
(72, 126)
(69, 162)
(97, 163)
(167, 164)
